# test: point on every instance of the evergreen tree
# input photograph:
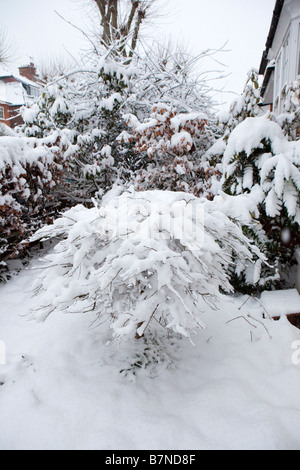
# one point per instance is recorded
(261, 162)
(247, 105)
(289, 120)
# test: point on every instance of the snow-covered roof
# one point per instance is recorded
(12, 93)
(26, 80)
(6, 73)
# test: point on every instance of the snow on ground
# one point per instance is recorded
(281, 302)
(237, 388)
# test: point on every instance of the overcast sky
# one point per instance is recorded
(201, 24)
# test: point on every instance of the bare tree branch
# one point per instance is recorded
(7, 48)
(78, 29)
(134, 8)
(140, 17)
(54, 66)
(121, 21)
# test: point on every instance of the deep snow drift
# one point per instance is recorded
(238, 388)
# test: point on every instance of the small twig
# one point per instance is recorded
(262, 325)
(260, 303)
(244, 303)
(244, 318)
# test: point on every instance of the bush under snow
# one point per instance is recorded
(141, 258)
(30, 169)
(259, 153)
(263, 165)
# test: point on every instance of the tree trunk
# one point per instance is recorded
(113, 30)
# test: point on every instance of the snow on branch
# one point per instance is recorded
(30, 169)
(258, 153)
(140, 258)
(166, 130)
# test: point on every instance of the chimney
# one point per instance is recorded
(29, 71)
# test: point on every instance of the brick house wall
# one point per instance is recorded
(9, 112)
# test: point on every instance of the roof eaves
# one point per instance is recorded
(7, 75)
(26, 81)
(275, 20)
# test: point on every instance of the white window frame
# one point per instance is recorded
(278, 74)
(2, 114)
(282, 73)
(34, 91)
(285, 62)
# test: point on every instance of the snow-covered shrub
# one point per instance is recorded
(6, 131)
(171, 142)
(243, 107)
(261, 162)
(30, 169)
(289, 120)
(87, 107)
(184, 173)
(166, 130)
(146, 258)
(84, 108)
(52, 111)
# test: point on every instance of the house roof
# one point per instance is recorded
(6, 73)
(275, 20)
(13, 93)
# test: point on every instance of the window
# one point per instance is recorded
(278, 75)
(33, 91)
(285, 62)
(282, 67)
(2, 112)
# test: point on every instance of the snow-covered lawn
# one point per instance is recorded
(61, 388)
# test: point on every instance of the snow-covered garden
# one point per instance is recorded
(236, 388)
(147, 245)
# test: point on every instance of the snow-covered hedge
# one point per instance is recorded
(171, 144)
(261, 163)
(88, 105)
(29, 171)
(141, 258)
(166, 130)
